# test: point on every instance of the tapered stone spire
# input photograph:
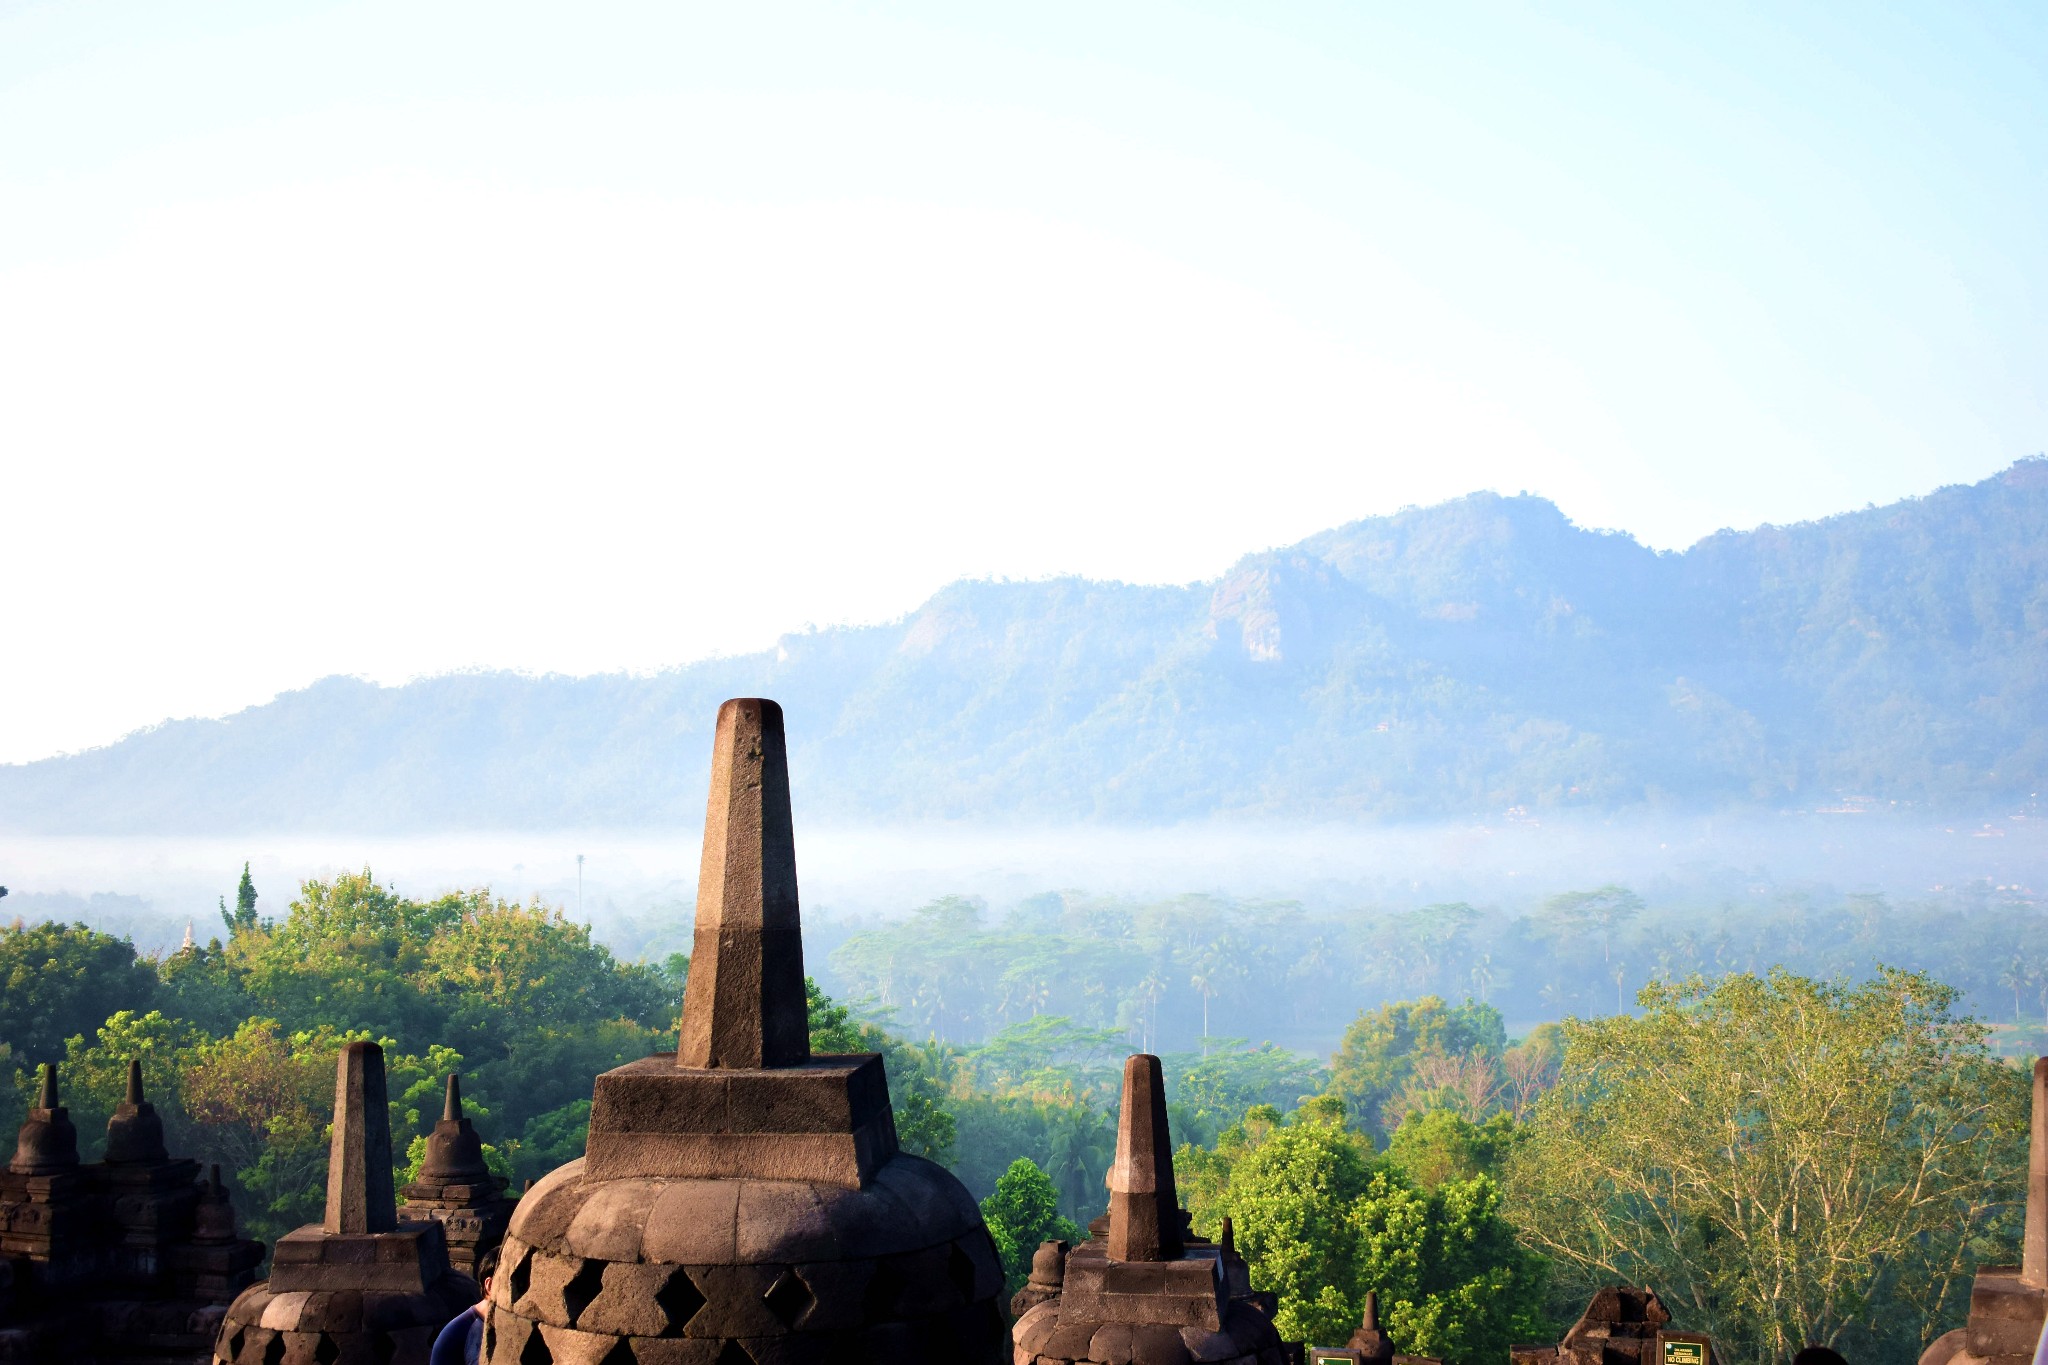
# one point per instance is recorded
(451, 1101)
(2034, 1250)
(744, 1005)
(135, 1134)
(1369, 1341)
(1144, 1206)
(48, 1141)
(359, 1194)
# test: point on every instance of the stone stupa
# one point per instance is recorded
(741, 1201)
(359, 1285)
(1141, 1290)
(456, 1188)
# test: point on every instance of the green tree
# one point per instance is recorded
(1379, 1051)
(94, 1074)
(1022, 1212)
(242, 918)
(59, 981)
(1321, 1221)
(550, 1139)
(1788, 1161)
(918, 1076)
(1436, 1146)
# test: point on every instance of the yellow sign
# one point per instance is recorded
(1685, 1353)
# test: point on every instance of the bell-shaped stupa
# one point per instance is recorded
(456, 1189)
(1142, 1291)
(359, 1285)
(741, 1200)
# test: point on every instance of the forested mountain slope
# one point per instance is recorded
(1468, 657)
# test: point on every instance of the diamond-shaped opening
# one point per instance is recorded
(383, 1349)
(578, 1293)
(960, 1268)
(522, 1275)
(885, 1286)
(788, 1297)
(235, 1343)
(536, 1351)
(680, 1299)
(734, 1354)
(620, 1354)
(327, 1350)
(273, 1354)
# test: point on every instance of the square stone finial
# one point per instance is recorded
(1144, 1205)
(744, 1007)
(359, 1192)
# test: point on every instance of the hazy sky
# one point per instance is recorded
(393, 338)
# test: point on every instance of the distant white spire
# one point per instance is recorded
(186, 946)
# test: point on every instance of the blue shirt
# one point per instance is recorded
(461, 1342)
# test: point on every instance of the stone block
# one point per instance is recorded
(626, 1305)
(840, 1291)
(928, 1287)
(676, 1351)
(1205, 1346)
(282, 1312)
(609, 1225)
(733, 1304)
(1070, 1340)
(2006, 1314)
(876, 1222)
(544, 1214)
(1157, 1344)
(829, 1120)
(785, 1221)
(693, 1222)
(980, 1251)
(570, 1347)
(548, 1278)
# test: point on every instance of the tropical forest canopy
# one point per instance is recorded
(1481, 1180)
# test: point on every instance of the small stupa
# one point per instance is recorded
(119, 1259)
(1142, 1291)
(48, 1197)
(456, 1188)
(741, 1201)
(359, 1285)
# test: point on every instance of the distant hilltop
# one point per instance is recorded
(1476, 656)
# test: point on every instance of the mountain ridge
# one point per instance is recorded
(1468, 657)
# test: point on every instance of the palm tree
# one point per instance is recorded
(2013, 978)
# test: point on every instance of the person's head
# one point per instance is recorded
(486, 1270)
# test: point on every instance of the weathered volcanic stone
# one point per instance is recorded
(135, 1134)
(457, 1190)
(1623, 1325)
(359, 1197)
(1171, 1299)
(359, 1286)
(110, 1260)
(48, 1142)
(741, 1200)
(743, 1005)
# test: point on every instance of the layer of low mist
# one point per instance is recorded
(637, 889)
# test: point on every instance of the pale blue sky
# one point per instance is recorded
(389, 338)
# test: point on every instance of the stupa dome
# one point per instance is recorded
(741, 1201)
